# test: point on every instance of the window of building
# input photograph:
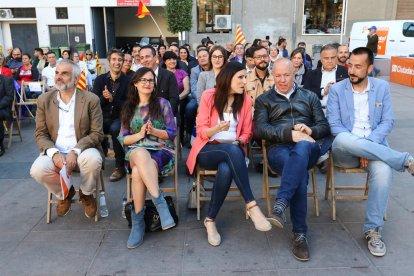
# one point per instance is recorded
(66, 35)
(62, 13)
(22, 12)
(213, 16)
(408, 29)
(322, 16)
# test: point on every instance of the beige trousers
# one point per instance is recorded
(89, 162)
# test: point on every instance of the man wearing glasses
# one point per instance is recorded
(68, 134)
(259, 80)
(112, 89)
(166, 84)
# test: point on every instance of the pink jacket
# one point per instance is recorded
(207, 118)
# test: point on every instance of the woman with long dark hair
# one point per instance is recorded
(147, 134)
(224, 127)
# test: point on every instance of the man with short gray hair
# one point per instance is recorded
(68, 134)
(290, 119)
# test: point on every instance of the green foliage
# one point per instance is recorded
(179, 17)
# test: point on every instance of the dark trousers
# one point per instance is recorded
(4, 116)
(292, 161)
(229, 162)
(183, 104)
(190, 115)
(113, 127)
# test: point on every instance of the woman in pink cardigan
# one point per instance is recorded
(224, 127)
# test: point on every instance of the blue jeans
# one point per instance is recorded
(346, 151)
(229, 162)
(190, 115)
(292, 161)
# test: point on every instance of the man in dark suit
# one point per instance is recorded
(112, 89)
(69, 134)
(320, 79)
(6, 101)
(167, 86)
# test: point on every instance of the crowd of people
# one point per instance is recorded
(220, 100)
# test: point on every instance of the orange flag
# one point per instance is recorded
(239, 36)
(82, 81)
(142, 10)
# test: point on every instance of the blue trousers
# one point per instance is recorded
(230, 164)
(346, 151)
(292, 161)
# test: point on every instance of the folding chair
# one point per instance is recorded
(99, 187)
(24, 100)
(267, 187)
(10, 125)
(200, 174)
(330, 186)
(163, 189)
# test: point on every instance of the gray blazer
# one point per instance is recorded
(206, 80)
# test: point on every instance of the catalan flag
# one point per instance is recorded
(142, 10)
(239, 36)
(98, 65)
(82, 81)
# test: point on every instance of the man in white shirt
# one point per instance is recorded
(48, 73)
(68, 133)
(360, 116)
(136, 63)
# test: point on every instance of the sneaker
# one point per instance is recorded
(88, 203)
(117, 174)
(375, 243)
(63, 206)
(410, 166)
(300, 247)
(277, 218)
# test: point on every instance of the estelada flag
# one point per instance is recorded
(82, 57)
(142, 10)
(239, 36)
(82, 81)
(98, 65)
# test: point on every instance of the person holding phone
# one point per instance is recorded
(147, 134)
(224, 127)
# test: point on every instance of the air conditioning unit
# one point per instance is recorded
(222, 22)
(6, 13)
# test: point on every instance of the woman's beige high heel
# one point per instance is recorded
(213, 236)
(259, 220)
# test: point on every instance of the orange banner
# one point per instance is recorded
(382, 40)
(402, 71)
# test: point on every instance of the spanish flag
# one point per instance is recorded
(239, 36)
(142, 10)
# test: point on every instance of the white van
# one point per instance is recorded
(395, 38)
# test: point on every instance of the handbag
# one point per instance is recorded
(151, 216)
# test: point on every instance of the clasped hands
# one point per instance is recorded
(302, 132)
(147, 129)
(70, 161)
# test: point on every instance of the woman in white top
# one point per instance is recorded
(224, 127)
(91, 66)
(207, 79)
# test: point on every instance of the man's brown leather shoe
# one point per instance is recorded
(63, 206)
(300, 247)
(88, 203)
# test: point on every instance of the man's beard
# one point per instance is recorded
(64, 87)
(262, 68)
(358, 81)
(342, 59)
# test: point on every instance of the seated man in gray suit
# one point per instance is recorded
(360, 116)
(69, 133)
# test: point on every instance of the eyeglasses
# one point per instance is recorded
(217, 57)
(145, 81)
(261, 57)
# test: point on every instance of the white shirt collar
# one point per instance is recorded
(366, 90)
(333, 70)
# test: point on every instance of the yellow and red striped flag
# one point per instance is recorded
(98, 65)
(82, 81)
(142, 10)
(239, 36)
